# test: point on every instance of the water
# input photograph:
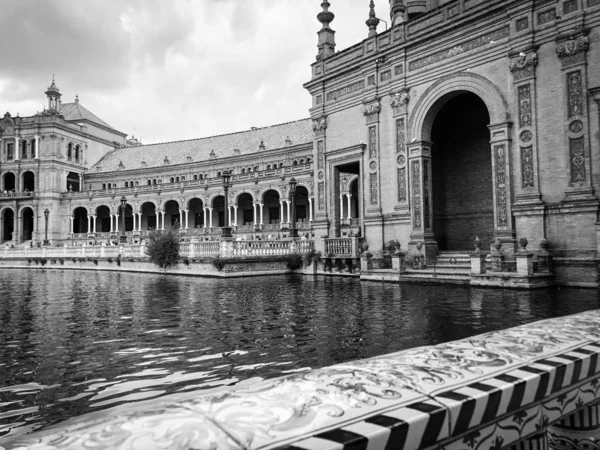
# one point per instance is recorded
(78, 342)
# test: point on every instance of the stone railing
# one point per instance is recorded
(530, 387)
(342, 247)
(225, 248)
(13, 194)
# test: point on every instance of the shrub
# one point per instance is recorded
(43, 261)
(186, 261)
(163, 247)
(310, 257)
(96, 261)
(294, 261)
(218, 262)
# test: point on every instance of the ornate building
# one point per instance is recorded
(464, 118)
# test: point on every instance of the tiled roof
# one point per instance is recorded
(180, 152)
(75, 112)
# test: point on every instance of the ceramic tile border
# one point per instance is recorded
(492, 389)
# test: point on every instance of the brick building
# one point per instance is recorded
(463, 118)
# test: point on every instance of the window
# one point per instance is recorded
(77, 151)
(127, 184)
(149, 182)
(218, 174)
(32, 148)
(295, 163)
(108, 185)
(281, 165)
(10, 151)
(24, 149)
(172, 179)
(70, 151)
(301, 161)
(243, 171)
(195, 177)
(103, 185)
(268, 166)
(183, 178)
(137, 183)
(154, 181)
(177, 179)
(201, 176)
(307, 160)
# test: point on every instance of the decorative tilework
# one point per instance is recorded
(493, 391)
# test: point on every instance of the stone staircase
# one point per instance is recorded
(451, 267)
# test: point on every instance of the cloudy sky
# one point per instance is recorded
(170, 69)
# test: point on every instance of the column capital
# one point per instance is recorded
(418, 149)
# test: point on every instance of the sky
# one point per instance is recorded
(167, 70)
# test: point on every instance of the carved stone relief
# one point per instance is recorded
(416, 192)
(501, 200)
(572, 51)
(374, 190)
(574, 88)
(524, 66)
(525, 106)
(319, 126)
(399, 102)
(577, 156)
(527, 167)
(372, 142)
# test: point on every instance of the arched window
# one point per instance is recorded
(154, 181)
(243, 170)
(281, 165)
(137, 183)
(256, 168)
(302, 161)
(307, 160)
(149, 182)
(268, 166)
(103, 185)
(70, 151)
(177, 180)
(127, 184)
(160, 181)
(108, 185)
(195, 177)
(183, 178)
(77, 152)
(249, 169)
(201, 176)
(295, 163)
(172, 179)
(24, 149)
(32, 148)
(218, 174)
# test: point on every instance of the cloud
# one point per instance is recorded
(169, 70)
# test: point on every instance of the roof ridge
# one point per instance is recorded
(217, 135)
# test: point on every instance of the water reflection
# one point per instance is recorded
(72, 342)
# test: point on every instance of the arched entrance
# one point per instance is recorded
(171, 214)
(196, 208)
(73, 182)
(462, 188)
(245, 212)
(80, 220)
(8, 182)
(466, 120)
(272, 207)
(103, 219)
(148, 216)
(218, 213)
(28, 181)
(302, 208)
(27, 229)
(8, 224)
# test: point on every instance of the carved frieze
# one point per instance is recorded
(577, 156)
(525, 106)
(527, 167)
(373, 142)
(399, 102)
(572, 51)
(400, 135)
(320, 155)
(426, 216)
(373, 189)
(416, 193)
(524, 66)
(354, 87)
(574, 93)
(501, 195)
(321, 195)
(402, 184)
(319, 126)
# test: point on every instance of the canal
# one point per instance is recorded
(73, 342)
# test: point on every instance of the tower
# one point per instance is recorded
(397, 10)
(326, 43)
(53, 95)
(372, 21)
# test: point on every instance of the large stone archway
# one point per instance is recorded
(447, 93)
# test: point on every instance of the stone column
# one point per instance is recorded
(310, 209)
(288, 217)
(71, 220)
(116, 223)
(205, 213)
(17, 151)
(349, 197)
(163, 213)
(211, 216)
(282, 213)
(187, 219)
(399, 103)
(94, 217)
(261, 206)
(181, 218)
(235, 216)
(419, 165)
(341, 207)
(572, 51)
(89, 223)
(255, 213)
(111, 222)
(501, 144)
(37, 147)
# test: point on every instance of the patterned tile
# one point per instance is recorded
(560, 406)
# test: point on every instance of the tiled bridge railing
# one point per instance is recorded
(520, 388)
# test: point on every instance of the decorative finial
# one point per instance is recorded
(372, 21)
(325, 16)
(77, 98)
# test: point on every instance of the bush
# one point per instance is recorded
(294, 261)
(163, 247)
(218, 263)
(310, 257)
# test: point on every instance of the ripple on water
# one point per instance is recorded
(73, 344)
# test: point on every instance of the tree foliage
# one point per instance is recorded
(163, 247)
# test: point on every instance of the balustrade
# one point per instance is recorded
(343, 247)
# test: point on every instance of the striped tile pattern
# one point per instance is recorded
(462, 409)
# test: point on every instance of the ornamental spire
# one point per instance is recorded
(326, 43)
(372, 21)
